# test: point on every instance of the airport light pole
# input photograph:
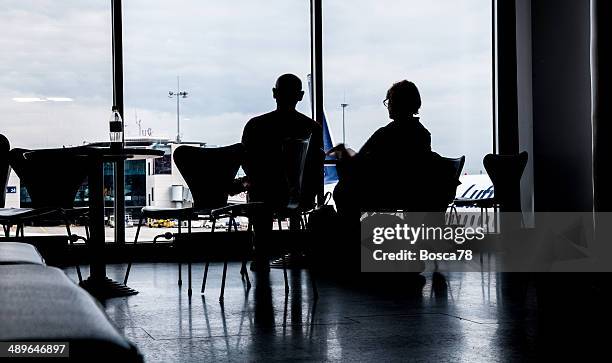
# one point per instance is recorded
(178, 94)
(344, 106)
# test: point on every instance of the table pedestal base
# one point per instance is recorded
(106, 288)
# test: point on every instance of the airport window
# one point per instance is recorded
(162, 165)
(444, 47)
(226, 60)
(135, 184)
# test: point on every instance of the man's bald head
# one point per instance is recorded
(288, 91)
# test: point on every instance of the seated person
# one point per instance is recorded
(263, 138)
(396, 167)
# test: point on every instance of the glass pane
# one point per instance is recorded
(444, 47)
(55, 72)
(227, 54)
(55, 81)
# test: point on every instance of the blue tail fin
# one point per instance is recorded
(330, 175)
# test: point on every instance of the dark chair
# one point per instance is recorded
(12, 216)
(505, 172)
(209, 173)
(292, 202)
(52, 181)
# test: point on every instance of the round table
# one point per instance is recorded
(98, 284)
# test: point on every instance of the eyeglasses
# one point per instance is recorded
(386, 102)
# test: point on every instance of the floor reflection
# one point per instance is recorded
(454, 316)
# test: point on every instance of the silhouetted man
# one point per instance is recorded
(263, 138)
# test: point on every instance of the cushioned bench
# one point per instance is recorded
(40, 303)
(19, 253)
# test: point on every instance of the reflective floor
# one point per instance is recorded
(453, 317)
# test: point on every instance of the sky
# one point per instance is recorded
(228, 55)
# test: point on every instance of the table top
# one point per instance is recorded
(104, 153)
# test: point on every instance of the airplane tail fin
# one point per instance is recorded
(330, 175)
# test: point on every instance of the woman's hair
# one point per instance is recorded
(405, 95)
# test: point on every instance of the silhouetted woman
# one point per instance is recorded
(393, 168)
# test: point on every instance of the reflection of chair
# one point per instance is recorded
(52, 181)
(209, 173)
(505, 172)
(291, 201)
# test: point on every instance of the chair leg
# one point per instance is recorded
(244, 272)
(244, 275)
(180, 273)
(189, 278)
(78, 268)
(17, 231)
(223, 282)
(129, 267)
(285, 274)
(204, 278)
(212, 230)
(180, 266)
(189, 290)
(313, 281)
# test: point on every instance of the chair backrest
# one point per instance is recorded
(5, 168)
(294, 152)
(442, 182)
(455, 164)
(52, 179)
(454, 167)
(505, 172)
(209, 172)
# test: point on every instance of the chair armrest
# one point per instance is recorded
(235, 210)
